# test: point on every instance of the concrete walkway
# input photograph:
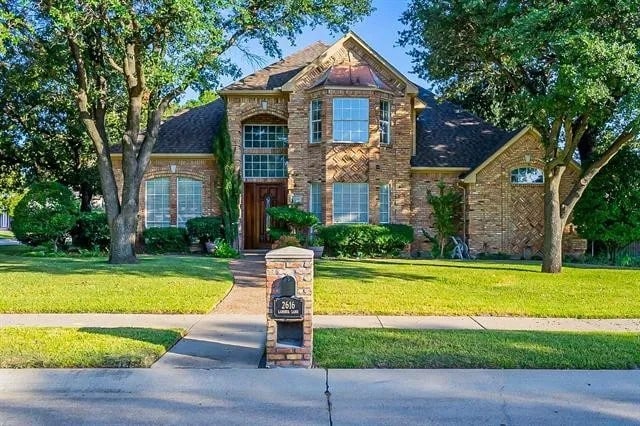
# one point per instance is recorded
(319, 397)
(254, 322)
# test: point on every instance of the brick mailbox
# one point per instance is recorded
(289, 307)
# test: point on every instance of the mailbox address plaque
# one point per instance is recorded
(288, 308)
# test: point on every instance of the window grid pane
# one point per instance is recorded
(265, 136)
(385, 204)
(157, 203)
(351, 120)
(316, 120)
(350, 202)
(315, 200)
(265, 165)
(189, 200)
(527, 175)
(385, 118)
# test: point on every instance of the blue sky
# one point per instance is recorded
(379, 30)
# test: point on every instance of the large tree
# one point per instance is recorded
(140, 55)
(569, 68)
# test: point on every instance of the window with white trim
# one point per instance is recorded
(157, 203)
(265, 165)
(315, 121)
(351, 120)
(315, 200)
(385, 122)
(350, 203)
(385, 203)
(265, 136)
(527, 175)
(189, 200)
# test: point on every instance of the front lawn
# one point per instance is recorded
(419, 287)
(157, 284)
(25, 347)
(386, 348)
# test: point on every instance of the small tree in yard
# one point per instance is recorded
(571, 69)
(129, 60)
(445, 207)
(609, 210)
(46, 213)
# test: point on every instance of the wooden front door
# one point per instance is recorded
(257, 198)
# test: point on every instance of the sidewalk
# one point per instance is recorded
(319, 397)
(323, 321)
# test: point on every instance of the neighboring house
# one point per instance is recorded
(5, 220)
(342, 132)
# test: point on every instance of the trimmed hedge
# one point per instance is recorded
(354, 240)
(92, 231)
(205, 228)
(166, 240)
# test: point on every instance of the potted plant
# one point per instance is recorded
(316, 244)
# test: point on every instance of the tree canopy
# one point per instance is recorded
(570, 69)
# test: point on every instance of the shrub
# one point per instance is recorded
(224, 250)
(286, 241)
(166, 240)
(46, 213)
(291, 220)
(206, 228)
(92, 231)
(366, 240)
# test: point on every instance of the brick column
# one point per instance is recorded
(281, 352)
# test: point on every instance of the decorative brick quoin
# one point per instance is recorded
(341, 132)
(290, 340)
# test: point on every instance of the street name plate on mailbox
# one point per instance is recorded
(288, 308)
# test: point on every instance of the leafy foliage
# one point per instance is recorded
(91, 231)
(165, 240)
(224, 250)
(570, 69)
(206, 228)
(291, 220)
(366, 240)
(46, 213)
(230, 182)
(286, 241)
(446, 206)
(609, 210)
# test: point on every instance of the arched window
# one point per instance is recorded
(527, 175)
(157, 203)
(189, 199)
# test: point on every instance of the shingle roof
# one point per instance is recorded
(448, 136)
(278, 73)
(190, 132)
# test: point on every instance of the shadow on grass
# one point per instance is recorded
(165, 337)
(206, 268)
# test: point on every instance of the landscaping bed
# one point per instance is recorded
(386, 348)
(157, 284)
(421, 287)
(39, 347)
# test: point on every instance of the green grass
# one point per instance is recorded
(6, 235)
(417, 287)
(26, 347)
(157, 284)
(385, 348)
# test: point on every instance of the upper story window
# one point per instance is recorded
(524, 175)
(385, 119)
(351, 120)
(315, 121)
(265, 166)
(157, 203)
(265, 136)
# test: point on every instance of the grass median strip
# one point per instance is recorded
(157, 284)
(40, 347)
(441, 287)
(386, 348)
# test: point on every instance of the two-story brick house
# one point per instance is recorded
(340, 131)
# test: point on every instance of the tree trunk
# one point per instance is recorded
(123, 238)
(86, 194)
(553, 223)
